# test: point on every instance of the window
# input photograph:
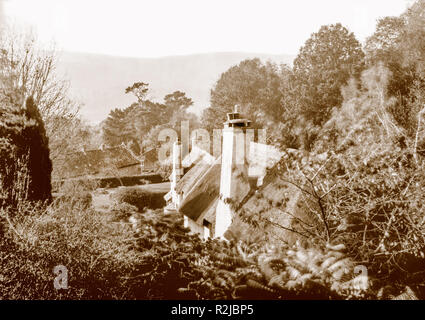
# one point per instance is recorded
(207, 229)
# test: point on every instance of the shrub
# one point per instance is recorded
(369, 187)
(77, 192)
(75, 186)
(363, 183)
(375, 208)
(123, 211)
(107, 259)
(140, 198)
(82, 199)
(128, 181)
(96, 253)
(164, 170)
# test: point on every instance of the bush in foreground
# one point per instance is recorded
(140, 198)
(107, 259)
(94, 251)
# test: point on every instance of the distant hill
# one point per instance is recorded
(99, 81)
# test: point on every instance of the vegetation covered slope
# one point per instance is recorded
(155, 258)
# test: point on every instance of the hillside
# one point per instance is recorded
(98, 81)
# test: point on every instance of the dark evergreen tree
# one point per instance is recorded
(25, 165)
(39, 163)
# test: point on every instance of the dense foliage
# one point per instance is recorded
(253, 86)
(325, 63)
(154, 257)
(377, 174)
(397, 44)
(140, 198)
(138, 125)
(360, 116)
(34, 70)
(24, 154)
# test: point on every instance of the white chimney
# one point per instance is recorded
(233, 156)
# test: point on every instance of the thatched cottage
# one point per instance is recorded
(211, 191)
(104, 162)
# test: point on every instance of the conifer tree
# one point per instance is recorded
(24, 152)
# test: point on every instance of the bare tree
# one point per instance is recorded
(34, 74)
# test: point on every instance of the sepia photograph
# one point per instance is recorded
(235, 151)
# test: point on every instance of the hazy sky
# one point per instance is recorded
(168, 27)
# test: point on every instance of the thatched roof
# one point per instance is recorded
(202, 199)
(201, 188)
(92, 162)
(150, 156)
(186, 183)
(275, 204)
(197, 154)
(261, 157)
